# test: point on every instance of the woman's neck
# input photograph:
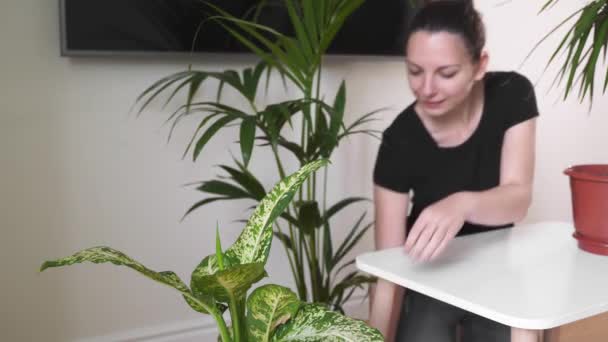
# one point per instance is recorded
(456, 126)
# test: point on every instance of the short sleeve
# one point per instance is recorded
(391, 170)
(521, 105)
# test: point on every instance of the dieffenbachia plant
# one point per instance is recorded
(221, 281)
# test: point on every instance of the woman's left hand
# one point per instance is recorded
(436, 226)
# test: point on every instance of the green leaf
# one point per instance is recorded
(233, 282)
(328, 249)
(353, 279)
(253, 245)
(202, 203)
(222, 188)
(218, 249)
(339, 107)
(350, 241)
(338, 17)
(334, 209)
(158, 87)
(247, 181)
(195, 84)
(301, 33)
(268, 307)
(309, 216)
(284, 238)
(314, 323)
(247, 138)
(209, 133)
(103, 254)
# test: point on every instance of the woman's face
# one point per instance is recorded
(441, 71)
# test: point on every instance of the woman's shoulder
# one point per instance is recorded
(403, 126)
(508, 81)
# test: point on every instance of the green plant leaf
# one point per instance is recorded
(253, 245)
(247, 181)
(247, 138)
(334, 209)
(309, 216)
(103, 254)
(158, 87)
(351, 281)
(234, 281)
(350, 241)
(284, 238)
(314, 323)
(209, 133)
(342, 11)
(218, 249)
(222, 188)
(202, 203)
(268, 307)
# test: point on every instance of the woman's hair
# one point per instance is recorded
(454, 16)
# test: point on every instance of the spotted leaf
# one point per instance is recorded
(229, 283)
(314, 323)
(99, 255)
(253, 245)
(268, 307)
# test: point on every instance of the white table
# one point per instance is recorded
(530, 277)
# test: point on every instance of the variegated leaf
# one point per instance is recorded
(232, 282)
(314, 323)
(268, 307)
(209, 265)
(102, 254)
(253, 245)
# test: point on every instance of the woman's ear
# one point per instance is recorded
(482, 65)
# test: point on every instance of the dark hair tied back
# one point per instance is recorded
(454, 16)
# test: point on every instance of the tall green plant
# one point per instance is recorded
(582, 44)
(306, 230)
(271, 312)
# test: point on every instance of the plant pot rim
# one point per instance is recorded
(582, 172)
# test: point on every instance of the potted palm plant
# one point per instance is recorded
(585, 38)
(305, 228)
(222, 280)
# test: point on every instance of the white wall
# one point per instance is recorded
(78, 170)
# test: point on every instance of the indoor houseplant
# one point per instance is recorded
(222, 280)
(586, 39)
(305, 228)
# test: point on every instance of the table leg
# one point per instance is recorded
(523, 335)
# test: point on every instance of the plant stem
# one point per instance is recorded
(237, 329)
(278, 161)
(221, 325)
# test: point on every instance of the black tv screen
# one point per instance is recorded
(102, 27)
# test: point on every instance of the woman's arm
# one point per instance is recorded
(390, 215)
(508, 202)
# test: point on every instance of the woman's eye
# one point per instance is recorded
(414, 72)
(448, 75)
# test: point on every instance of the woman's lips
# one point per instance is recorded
(432, 104)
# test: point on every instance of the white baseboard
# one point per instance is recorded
(198, 331)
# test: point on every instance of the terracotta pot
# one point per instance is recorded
(589, 185)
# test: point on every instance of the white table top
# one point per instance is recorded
(530, 277)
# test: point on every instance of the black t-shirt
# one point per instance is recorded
(410, 159)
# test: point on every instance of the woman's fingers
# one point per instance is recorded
(414, 233)
(447, 238)
(431, 247)
(423, 237)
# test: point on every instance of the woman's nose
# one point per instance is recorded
(428, 87)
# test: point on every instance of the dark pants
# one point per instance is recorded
(424, 319)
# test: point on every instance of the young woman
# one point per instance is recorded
(465, 150)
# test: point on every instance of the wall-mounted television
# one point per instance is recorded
(149, 27)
